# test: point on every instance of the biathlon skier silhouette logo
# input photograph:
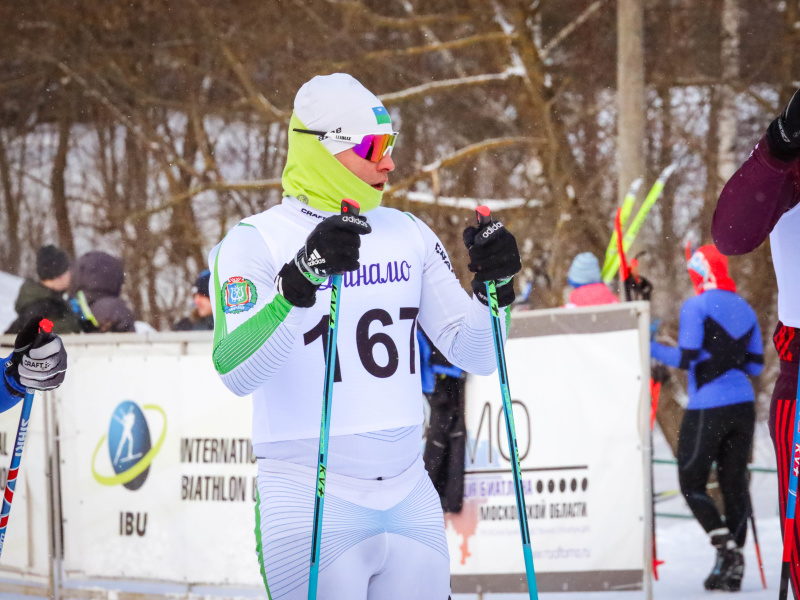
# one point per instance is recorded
(129, 445)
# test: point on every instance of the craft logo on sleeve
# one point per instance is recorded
(130, 446)
(240, 295)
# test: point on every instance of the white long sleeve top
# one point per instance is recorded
(265, 346)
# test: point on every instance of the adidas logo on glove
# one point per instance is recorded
(355, 220)
(491, 229)
(315, 259)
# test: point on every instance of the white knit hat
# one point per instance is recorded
(329, 102)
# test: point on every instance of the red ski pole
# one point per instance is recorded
(791, 503)
(623, 262)
(758, 548)
(655, 391)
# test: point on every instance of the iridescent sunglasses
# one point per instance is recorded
(371, 146)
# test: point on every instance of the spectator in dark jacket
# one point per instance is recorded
(46, 298)
(445, 443)
(98, 279)
(201, 318)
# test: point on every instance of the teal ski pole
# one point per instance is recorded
(348, 207)
(484, 218)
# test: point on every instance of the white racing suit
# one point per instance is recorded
(383, 530)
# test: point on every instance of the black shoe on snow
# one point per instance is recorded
(728, 571)
(729, 567)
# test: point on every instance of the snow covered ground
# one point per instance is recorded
(688, 558)
(9, 288)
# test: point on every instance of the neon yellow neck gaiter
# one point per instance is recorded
(314, 176)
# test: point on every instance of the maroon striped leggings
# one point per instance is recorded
(781, 417)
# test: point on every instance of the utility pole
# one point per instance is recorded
(631, 158)
(632, 118)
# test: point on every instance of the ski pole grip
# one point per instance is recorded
(45, 326)
(45, 329)
(350, 207)
(29, 337)
(483, 215)
(484, 218)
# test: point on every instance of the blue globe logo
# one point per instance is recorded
(130, 446)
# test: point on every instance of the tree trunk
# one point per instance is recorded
(565, 177)
(668, 242)
(11, 256)
(185, 237)
(141, 289)
(711, 161)
(58, 187)
(788, 60)
(730, 72)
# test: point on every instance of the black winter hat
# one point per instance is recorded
(201, 283)
(51, 262)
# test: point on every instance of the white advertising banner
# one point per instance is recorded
(26, 549)
(158, 477)
(578, 383)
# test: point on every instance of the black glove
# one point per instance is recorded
(330, 249)
(493, 256)
(639, 289)
(659, 372)
(39, 360)
(783, 134)
(493, 252)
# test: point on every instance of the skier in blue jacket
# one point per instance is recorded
(37, 362)
(720, 345)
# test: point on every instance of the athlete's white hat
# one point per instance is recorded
(330, 102)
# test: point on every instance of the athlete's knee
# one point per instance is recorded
(690, 483)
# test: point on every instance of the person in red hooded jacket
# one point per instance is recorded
(760, 201)
(719, 344)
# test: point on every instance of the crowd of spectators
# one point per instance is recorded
(84, 296)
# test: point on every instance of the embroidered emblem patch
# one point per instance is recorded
(381, 115)
(240, 295)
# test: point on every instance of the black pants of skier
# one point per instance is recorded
(781, 417)
(724, 435)
(446, 442)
